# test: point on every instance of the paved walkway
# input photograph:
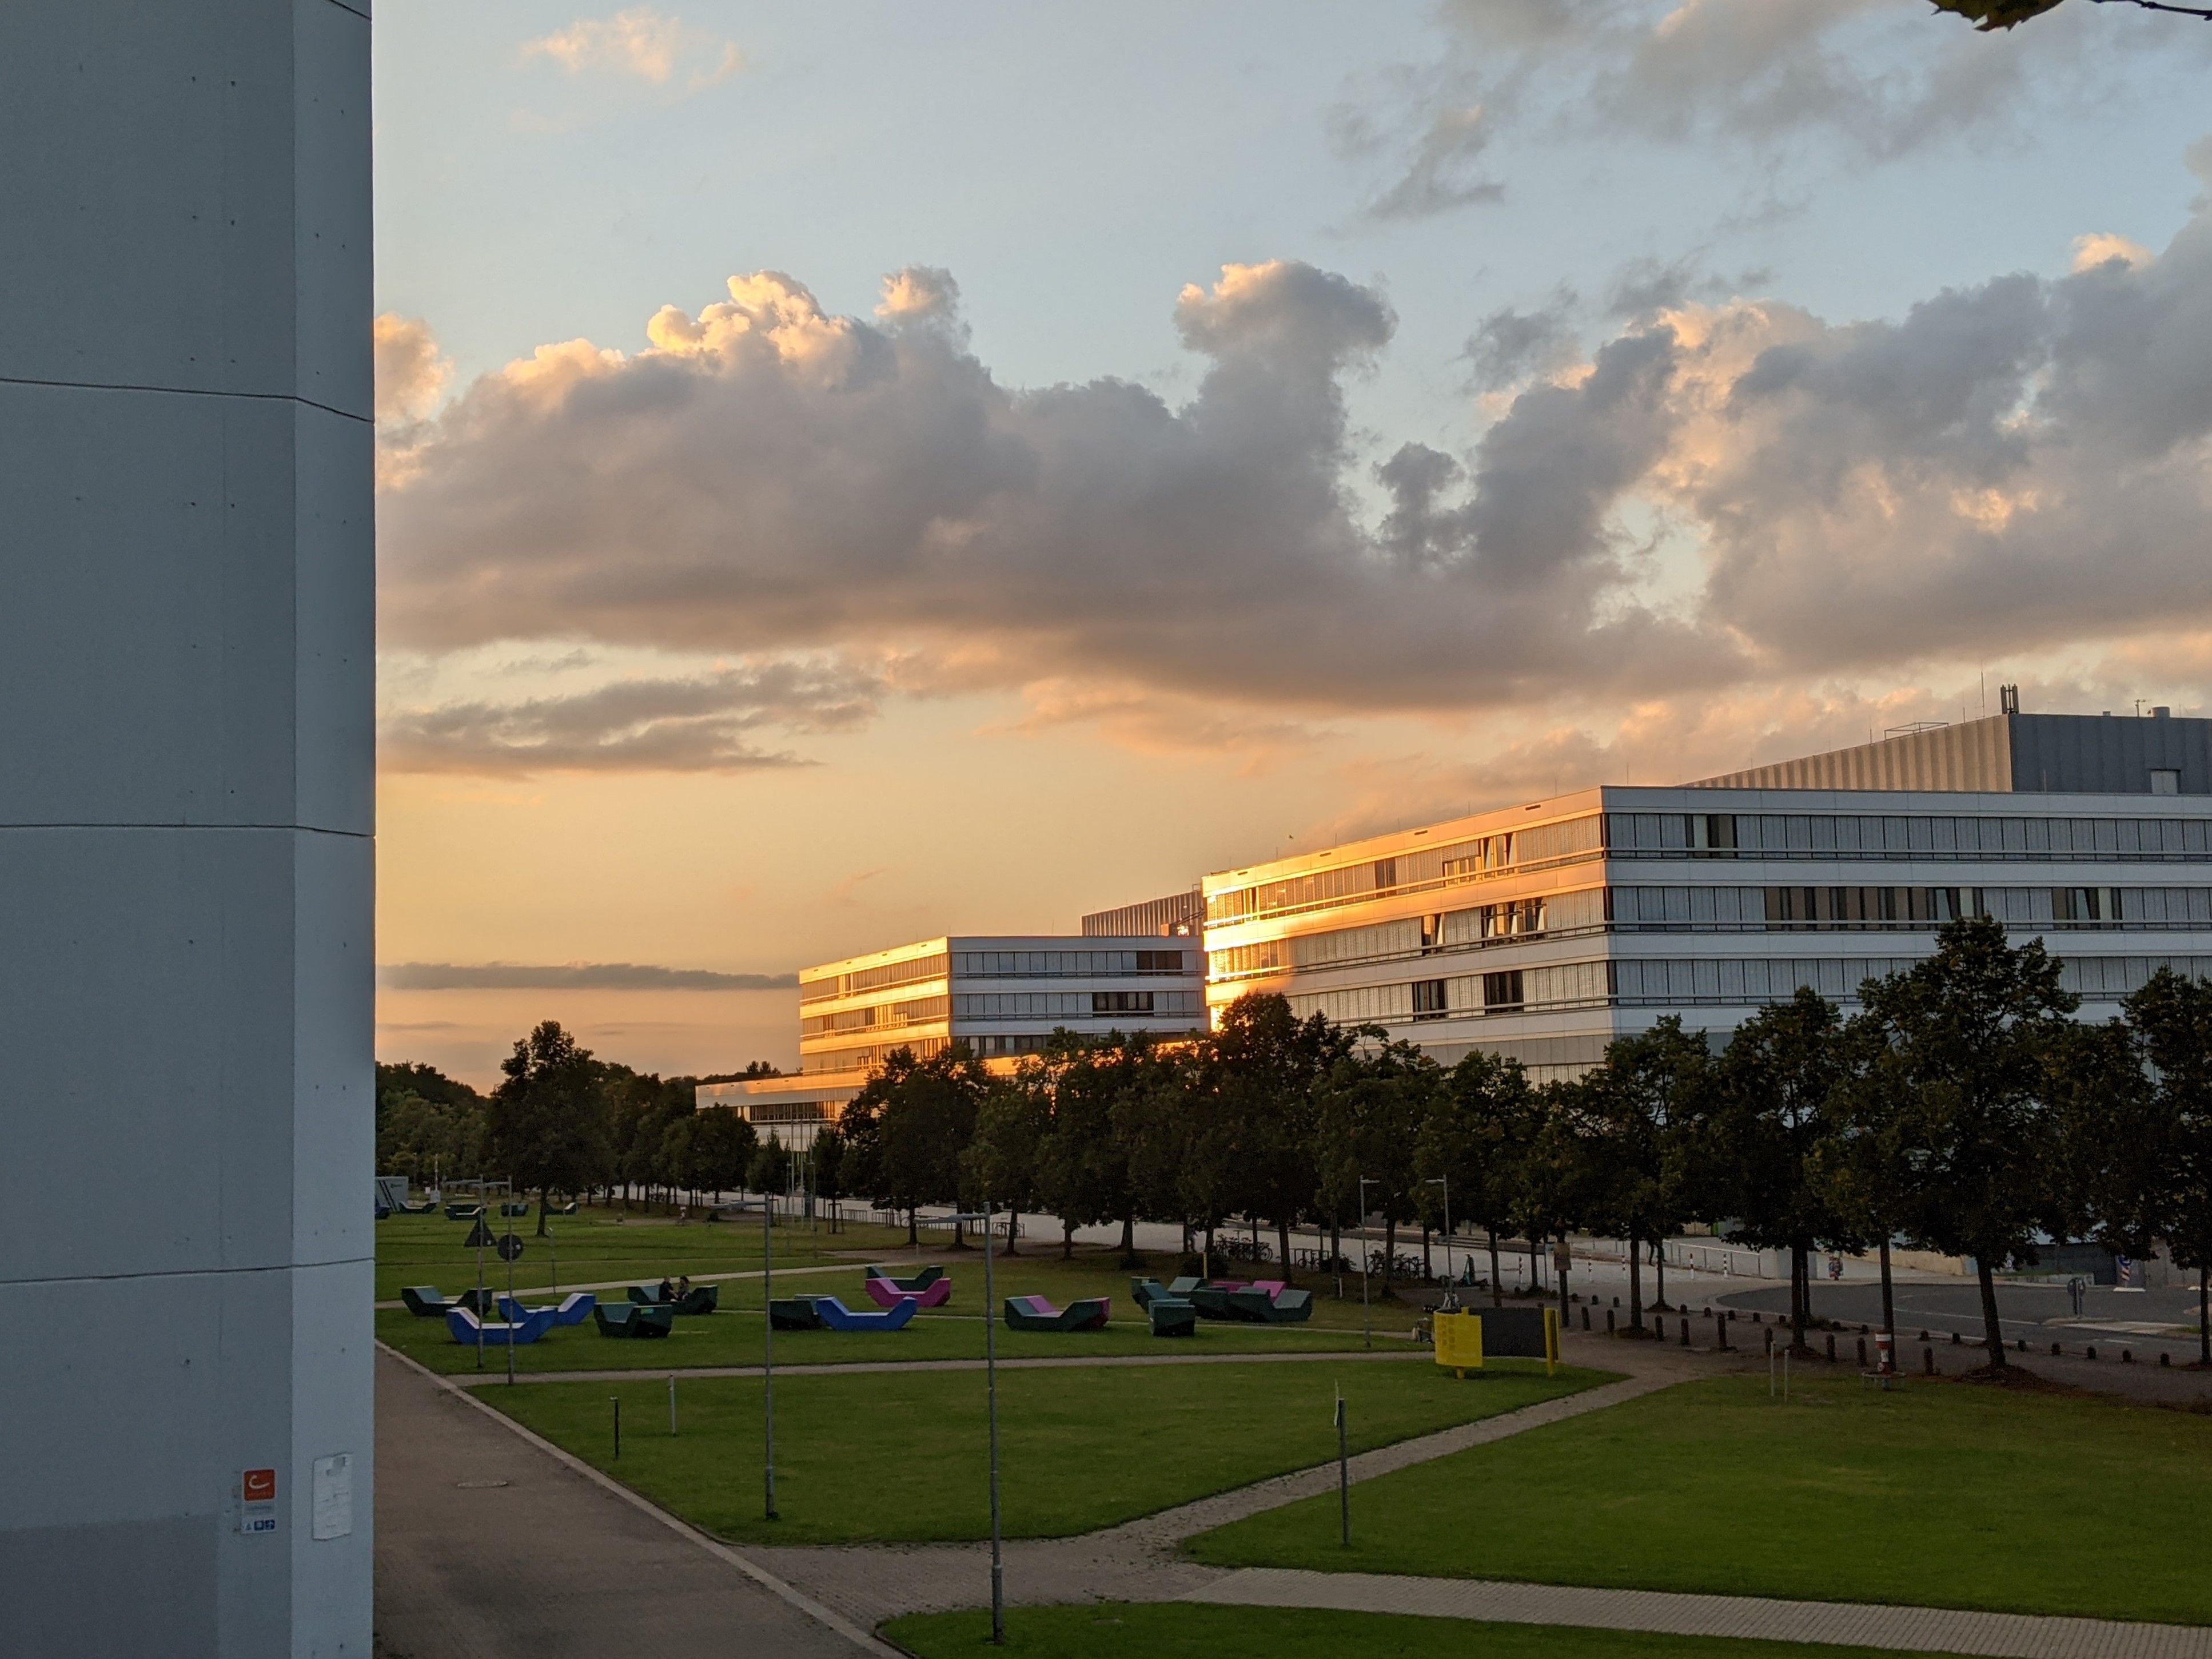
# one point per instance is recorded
(490, 1545)
(1933, 1629)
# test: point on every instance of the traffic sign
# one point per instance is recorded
(510, 1246)
(479, 1236)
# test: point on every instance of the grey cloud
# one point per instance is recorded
(786, 479)
(570, 977)
(1444, 171)
(1509, 345)
(696, 725)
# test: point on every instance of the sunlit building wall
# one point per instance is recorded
(1542, 931)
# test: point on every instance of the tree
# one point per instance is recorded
(1477, 1135)
(1616, 1130)
(1002, 1162)
(1967, 1038)
(722, 1145)
(427, 1124)
(2170, 1025)
(1747, 1145)
(1083, 1172)
(1861, 1165)
(827, 1162)
(1263, 1064)
(546, 1125)
(908, 1125)
(1988, 15)
(1370, 1111)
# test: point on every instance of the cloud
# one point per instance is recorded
(704, 723)
(2096, 248)
(1510, 346)
(568, 976)
(1721, 496)
(411, 373)
(642, 42)
(767, 477)
(1443, 172)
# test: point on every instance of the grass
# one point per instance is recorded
(592, 1247)
(900, 1456)
(1193, 1630)
(1940, 1494)
(733, 1336)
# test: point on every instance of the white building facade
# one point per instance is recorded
(1543, 931)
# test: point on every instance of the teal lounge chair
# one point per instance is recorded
(1171, 1317)
(793, 1312)
(1146, 1291)
(1034, 1313)
(424, 1302)
(700, 1299)
(1183, 1287)
(628, 1319)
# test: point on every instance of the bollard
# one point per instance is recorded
(1586, 1315)
(1685, 1340)
(1659, 1327)
(1923, 1336)
(1755, 1316)
(2023, 1345)
(2089, 1352)
(1608, 1322)
(1885, 1354)
(2165, 1360)
(671, 1404)
(1927, 1359)
(617, 1402)
(2126, 1357)
(1955, 1339)
(2054, 1351)
(1720, 1337)
(1770, 1342)
(1832, 1348)
(1862, 1353)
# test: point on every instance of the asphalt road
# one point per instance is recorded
(2146, 1321)
(488, 1548)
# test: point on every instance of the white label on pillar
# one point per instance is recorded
(333, 1507)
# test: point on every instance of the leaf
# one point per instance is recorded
(1987, 14)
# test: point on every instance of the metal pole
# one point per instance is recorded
(1343, 1472)
(553, 1245)
(509, 1311)
(480, 1288)
(991, 1376)
(1366, 1315)
(767, 1340)
(671, 1404)
(617, 1402)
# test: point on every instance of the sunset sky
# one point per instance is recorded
(852, 475)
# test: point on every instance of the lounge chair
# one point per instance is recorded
(1034, 1313)
(628, 1319)
(1171, 1317)
(886, 1293)
(522, 1208)
(837, 1316)
(569, 1209)
(1146, 1291)
(1291, 1307)
(648, 1295)
(793, 1312)
(424, 1302)
(497, 1333)
(699, 1299)
(915, 1285)
(572, 1308)
(1183, 1287)
(464, 1211)
(428, 1206)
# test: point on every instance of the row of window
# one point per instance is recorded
(1824, 834)
(1633, 983)
(840, 1060)
(1070, 964)
(1412, 871)
(1072, 1005)
(919, 1011)
(873, 979)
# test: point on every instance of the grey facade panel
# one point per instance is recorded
(1178, 913)
(2034, 754)
(2109, 754)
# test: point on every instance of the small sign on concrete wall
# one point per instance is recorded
(333, 1496)
(257, 1501)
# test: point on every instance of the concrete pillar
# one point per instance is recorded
(186, 820)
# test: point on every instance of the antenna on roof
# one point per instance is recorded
(2009, 699)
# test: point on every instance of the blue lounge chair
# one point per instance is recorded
(497, 1333)
(572, 1308)
(838, 1317)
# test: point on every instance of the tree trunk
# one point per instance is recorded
(1283, 1242)
(2205, 1316)
(1129, 1239)
(1335, 1246)
(1497, 1273)
(1888, 1301)
(1067, 1244)
(1389, 1249)
(541, 1213)
(1659, 1262)
(1990, 1324)
(1013, 1221)
(912, 1228)
(1635, 1283)
(1428, 1267)
(1800, 1292)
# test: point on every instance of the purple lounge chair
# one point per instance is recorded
(886, 1293)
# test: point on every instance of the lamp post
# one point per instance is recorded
(1366, 1314)
(768, 1342)
(991, 1391)
(1445, 1182)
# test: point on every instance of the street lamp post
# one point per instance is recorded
(1445, 1182)
(768, 1341)
(991, 1393)
(1366, 1313)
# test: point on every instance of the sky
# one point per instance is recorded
(849, 478)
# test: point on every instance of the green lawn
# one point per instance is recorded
(733, 1336)
(1940, 1494)
(592, 1246)
(901, 1455)
(1185, 1631)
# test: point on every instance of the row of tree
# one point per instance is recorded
(563, 1121)
(1962, 1110)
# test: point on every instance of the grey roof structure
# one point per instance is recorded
(2011, 753)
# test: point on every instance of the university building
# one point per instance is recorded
(1003, 996)
(1546, 930)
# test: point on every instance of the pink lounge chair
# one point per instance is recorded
(1273, 1287)
(886, 1294)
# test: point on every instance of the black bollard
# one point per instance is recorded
(2126, 1357)
(617, 1401)
(1927, 1359)
(1832, 1348)
(1586, 1317)
(1955, 1339)
(2165, 1360)
(1862, 1353)
(1608, 1322)
(2054, 1351)
(2089, 1352)
(1685, 1340)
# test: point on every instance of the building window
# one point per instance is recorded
(1121, 1002)
(1160, 961)
(1429, 1000)
(1501, 993)
(2164, 782)
(1386, 874)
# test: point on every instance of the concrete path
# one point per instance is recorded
(490, 1545)
(1109, 1362)
(1933, 1629)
